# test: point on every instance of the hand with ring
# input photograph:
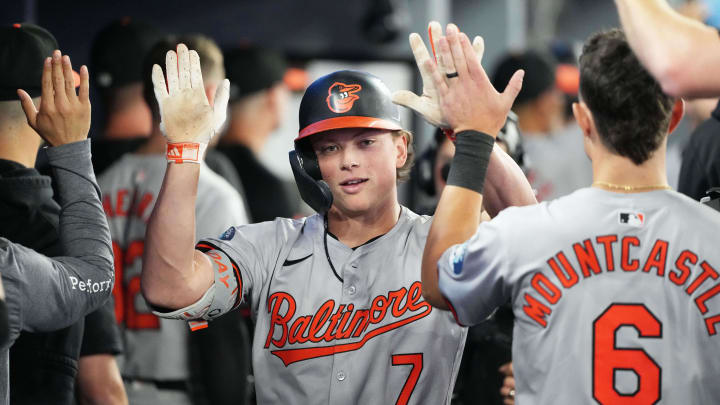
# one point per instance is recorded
(428, 104)
(508, 388)
(468, 101)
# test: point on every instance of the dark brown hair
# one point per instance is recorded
(630, 110)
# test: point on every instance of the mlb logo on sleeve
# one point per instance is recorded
(458, 257)
(636, 219)
(228, 235)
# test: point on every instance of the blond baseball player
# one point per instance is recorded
(336, 296)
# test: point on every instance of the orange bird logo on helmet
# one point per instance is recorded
(341, 96)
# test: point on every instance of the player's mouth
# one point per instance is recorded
(353, 185)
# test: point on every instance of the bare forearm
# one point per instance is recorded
(456, 219)
(170, 240)
(99, 381)
(505, 184)
(664, 41)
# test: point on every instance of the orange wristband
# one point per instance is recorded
(186, 152)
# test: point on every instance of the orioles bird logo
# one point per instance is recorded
(341, 96)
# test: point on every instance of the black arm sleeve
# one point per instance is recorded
(102, 335)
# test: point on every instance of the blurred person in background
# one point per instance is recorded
(157, 366)
(430, 171)
(700, 169)
(126, 115)
(556, 162)
(258, 97)
(30, 216)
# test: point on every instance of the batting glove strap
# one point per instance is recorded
(186, 152)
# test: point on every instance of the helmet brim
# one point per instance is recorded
(347, 122)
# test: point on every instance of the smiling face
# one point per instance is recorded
(360, 166)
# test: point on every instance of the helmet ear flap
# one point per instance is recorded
(313, 190)
(308, 158)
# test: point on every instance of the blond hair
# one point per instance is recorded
(211, 57)
(403, 173)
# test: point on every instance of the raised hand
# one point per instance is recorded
(468, 100)
(63, 117)
(428, 103)
(185, 112)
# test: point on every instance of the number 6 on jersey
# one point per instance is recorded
(608, 358)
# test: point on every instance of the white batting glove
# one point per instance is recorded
(428, 104)
(187, 119)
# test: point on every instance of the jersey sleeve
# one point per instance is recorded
(473, 276)
(242, 258)
(70, 287)
(251, 248)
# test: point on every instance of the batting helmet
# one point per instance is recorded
(343, 99)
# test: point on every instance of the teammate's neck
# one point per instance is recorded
(132, 121)
(19, 143)
(357, 229)
(252, 133)
(128, 115)
(621, 171)
(532, 122)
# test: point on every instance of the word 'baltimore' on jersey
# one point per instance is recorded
(686, 269)
(338, 325)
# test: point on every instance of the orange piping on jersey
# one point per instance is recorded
(452, 311)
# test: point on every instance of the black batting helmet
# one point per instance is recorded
(343, 99)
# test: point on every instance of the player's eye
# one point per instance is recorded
(325, 149)
(367, 142)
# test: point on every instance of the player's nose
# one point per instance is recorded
(350, 159)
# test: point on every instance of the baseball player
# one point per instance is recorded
(614, 287)
(156, 365)
(336, 296)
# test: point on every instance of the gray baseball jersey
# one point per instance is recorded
(354, 332)
(615, 296)
(156, 349)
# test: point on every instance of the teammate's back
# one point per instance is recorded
(616, 275)
(614, 287)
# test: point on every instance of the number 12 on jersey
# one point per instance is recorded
(608, 359)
